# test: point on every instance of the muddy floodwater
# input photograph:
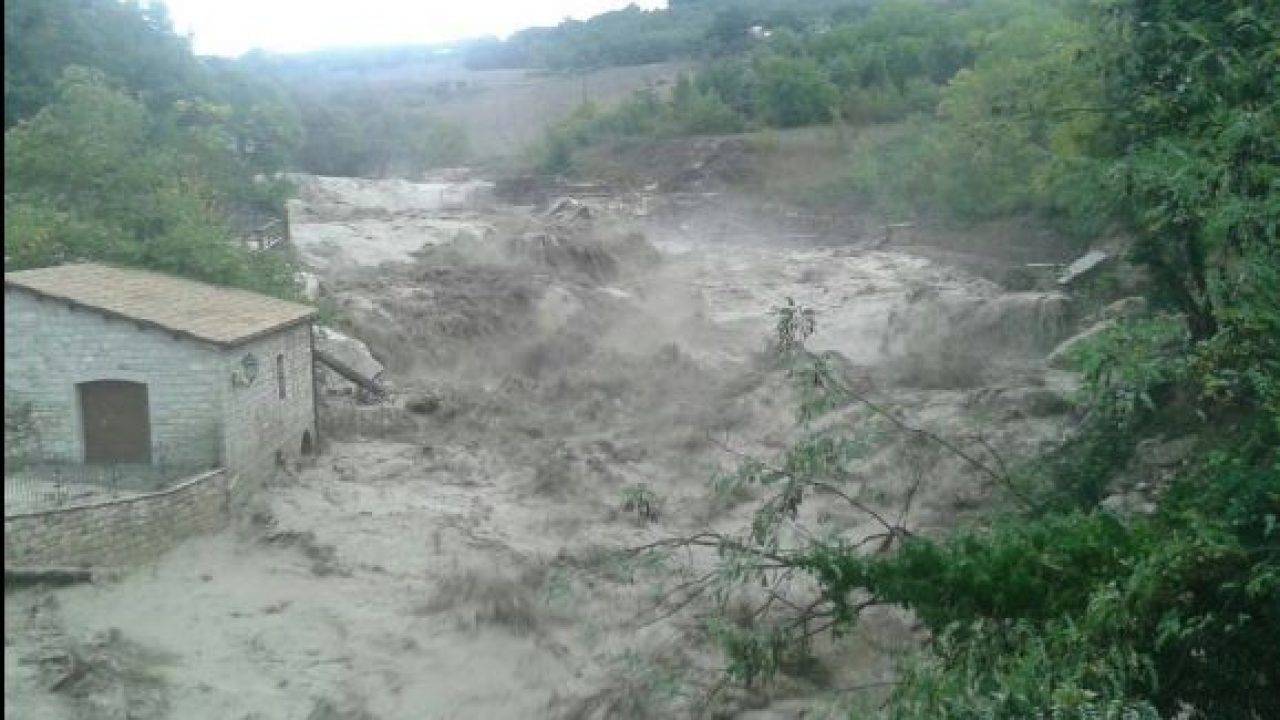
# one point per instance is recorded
(447, 554)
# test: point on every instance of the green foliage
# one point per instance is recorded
(367, 112)
(755, 654)
(632, 36)
(1201, 110)
(130, 42)
(1016, 130)
(699, 112)
(1029, 571)
(793, 92)
(732, 81)
(887, 103)
(1131, 366)
(1136, 113)
(1060, 610)
(641, 501)
(99, 174)
(1147, 376)
(793, 325)
(1162, 116)
(21, 434)
(555, 155)
(1021, 671)
(120, 145)
(133, 47)
(895, 60)
(690, 110)
(1135, 377)
(1077, 613)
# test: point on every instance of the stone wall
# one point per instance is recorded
(119, 532)
(259, 424)
(50, 346)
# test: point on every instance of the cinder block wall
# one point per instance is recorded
(258, 422)
(118, 532)
(49, 346)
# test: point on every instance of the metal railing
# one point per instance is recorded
(37, 486)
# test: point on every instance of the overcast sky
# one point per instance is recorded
(230, 27)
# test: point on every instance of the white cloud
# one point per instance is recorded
(231, 27)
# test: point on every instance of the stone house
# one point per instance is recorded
(111, 365)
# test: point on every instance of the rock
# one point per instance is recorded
(1082, 266)
(1161, 453)
(1124, 309)
(1128, 503)
(943, 324)
(352, 353)
(1037, 402)
(1060, 358)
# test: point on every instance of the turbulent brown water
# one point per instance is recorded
(445, 556)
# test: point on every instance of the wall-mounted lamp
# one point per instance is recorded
(244, 375)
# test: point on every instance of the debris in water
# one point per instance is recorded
(1083, 266)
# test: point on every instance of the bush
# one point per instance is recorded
(698, 112)
(1018, 672)
(689, 111)
(888, 103)
(793, 92)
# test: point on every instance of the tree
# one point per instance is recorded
(131, 43)
(93, 175)
(696, 112)
(1200, 116)
(728, 31)
(793, 91)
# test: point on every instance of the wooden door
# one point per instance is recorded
(116, 420)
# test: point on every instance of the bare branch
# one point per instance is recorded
(816, 484)
(829, 488)
(999, 475)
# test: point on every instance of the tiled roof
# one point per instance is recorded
(216, 314)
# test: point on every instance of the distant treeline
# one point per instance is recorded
(857, 65)
(632, 36)
(351, 61)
